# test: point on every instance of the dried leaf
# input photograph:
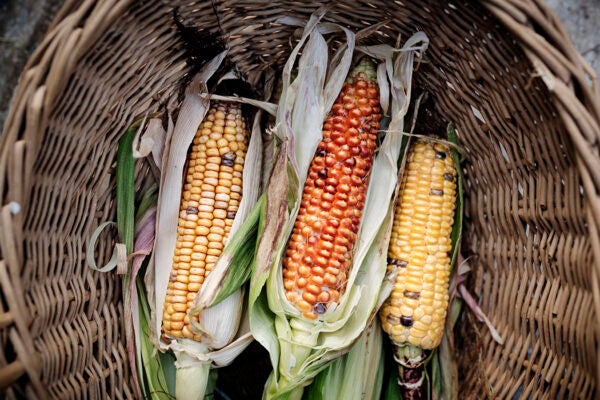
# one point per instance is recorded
(151, 141)
(89, 254)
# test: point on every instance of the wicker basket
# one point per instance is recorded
(527, 107)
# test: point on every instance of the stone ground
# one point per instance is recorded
(581, 18)
(22, 25)
(24, 22)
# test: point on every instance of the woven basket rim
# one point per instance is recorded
(570, 80)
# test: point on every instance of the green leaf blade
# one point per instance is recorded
(456, 234)
(125, 189)
(240, 250)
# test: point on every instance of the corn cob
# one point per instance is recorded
(420, 245)
(210, 199)
(318, 254)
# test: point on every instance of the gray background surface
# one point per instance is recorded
(24, 22)
(581, 18)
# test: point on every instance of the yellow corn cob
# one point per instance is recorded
(318, 255)
(420, 247)
(210, 199)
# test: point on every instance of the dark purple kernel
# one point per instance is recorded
(437, 192)
(412, 295)
(449, 177)
(319, 308)
(192, 210)
(231, 214)
(441, 155)
(406, 321)
(395, 261)
(165, 338)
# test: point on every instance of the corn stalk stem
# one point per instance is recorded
(296, 394)
(410, 381)
(191, 381)
(304, 338)
(277, 389)
(411, 370)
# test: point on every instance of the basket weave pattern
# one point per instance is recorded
(527, 108)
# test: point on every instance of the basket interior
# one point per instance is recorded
(525, 232)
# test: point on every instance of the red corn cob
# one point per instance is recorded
(319, 252)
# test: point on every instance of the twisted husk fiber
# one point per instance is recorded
(524, 101)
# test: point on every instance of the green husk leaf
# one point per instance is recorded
(456, 234)
(436, 376)
(444, 370)
(356, 375)
(158, 378)
(238, 256)
(144, 232)
(147, 202)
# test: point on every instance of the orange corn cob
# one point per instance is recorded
(319, 252)
(210, 199)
